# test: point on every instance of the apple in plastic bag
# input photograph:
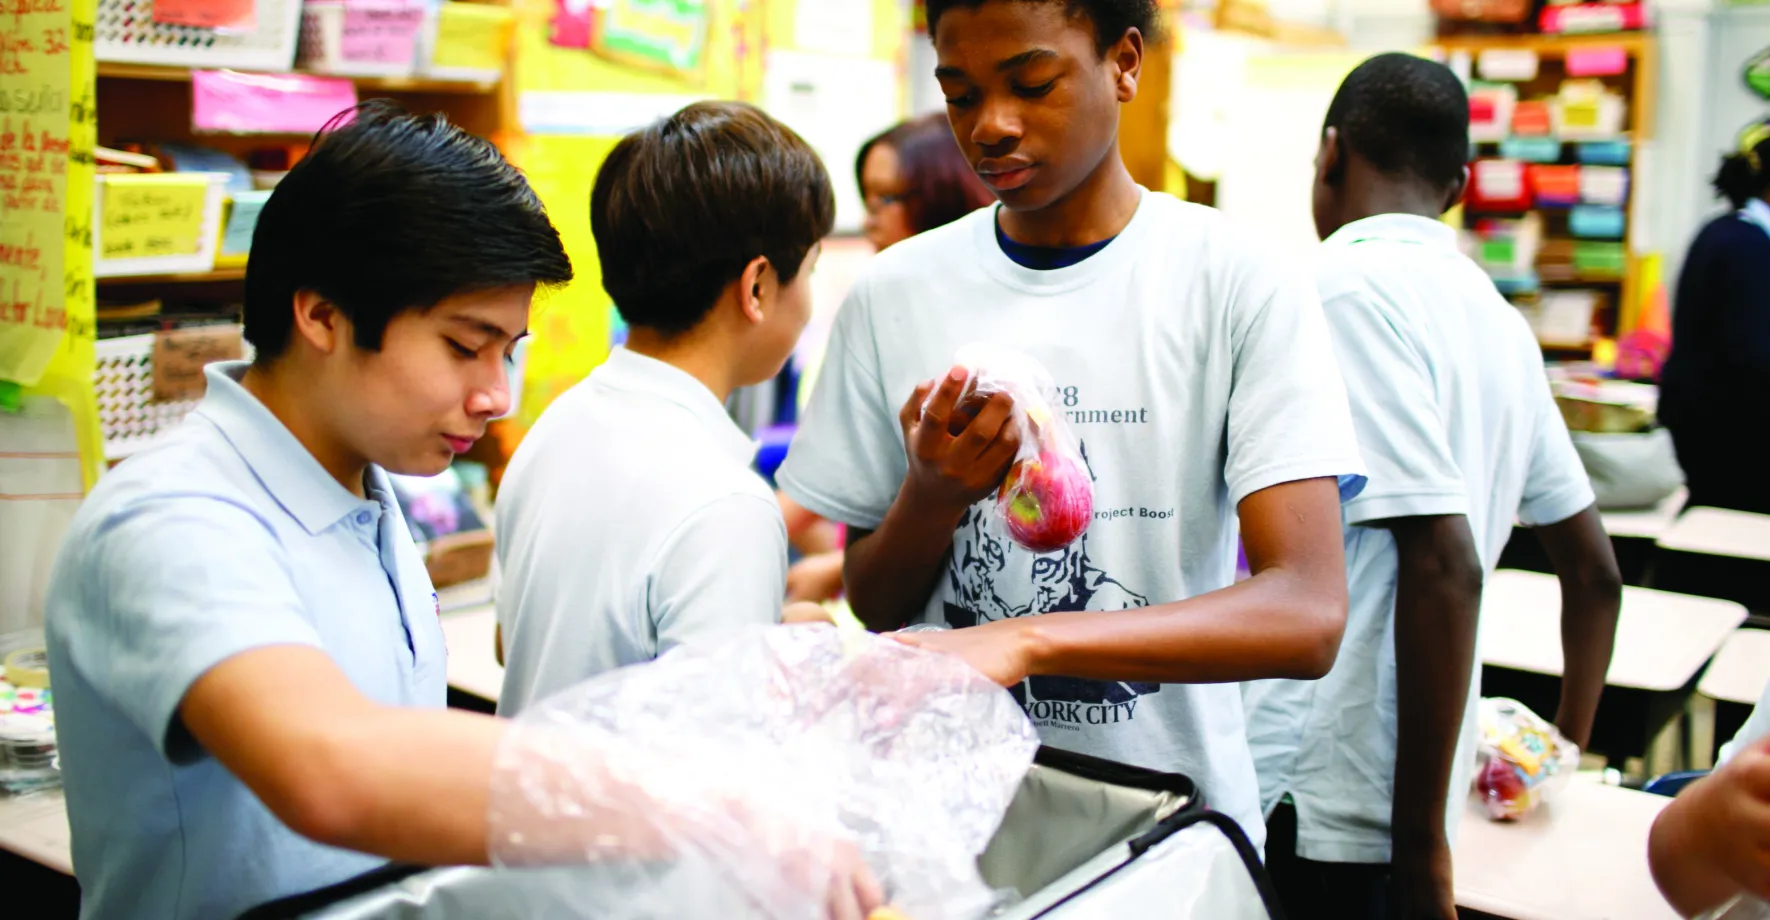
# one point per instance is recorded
(1502, 790)
(1048, 501)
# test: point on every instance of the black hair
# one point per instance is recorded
(681, 207)
(392, 212)
(1407, 116)
(1111, 18)
(1743, 176)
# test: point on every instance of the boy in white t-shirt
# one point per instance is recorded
(1364, 771)
(1194, 369)
(1712, 844)
(630, 520)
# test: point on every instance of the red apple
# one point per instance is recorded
(1048, 501)
(1502, 789)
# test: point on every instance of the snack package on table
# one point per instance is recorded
(1523, 759)
(765, 775)
(1047, 500)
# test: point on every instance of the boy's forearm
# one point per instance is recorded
(1278, 623)
(1437, 609)
(1591, 599)
(891, 572)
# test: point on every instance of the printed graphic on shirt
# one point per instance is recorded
(985, 583)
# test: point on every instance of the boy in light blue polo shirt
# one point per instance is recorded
(1363, 772)
(248, 664)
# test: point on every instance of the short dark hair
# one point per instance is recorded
(393, 212)
(1111, 18)
(1406, 115)
(941, 185)
(681, 207)
(1744, 174)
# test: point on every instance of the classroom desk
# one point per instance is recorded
(1582, 855)
(1740, 669)
(473, 664)
(36, 827)
(1647, 523)
(1662, 639)
(1719, 532)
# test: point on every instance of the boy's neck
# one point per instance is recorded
(1371, 197)
(695, 353)
(1098, 209)
(278, 389)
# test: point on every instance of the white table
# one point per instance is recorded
(1662, 639)
(1741, 668)
(473, 662)
(36, 827)
(1646, 523)
(1719, 532)
(1580, 856)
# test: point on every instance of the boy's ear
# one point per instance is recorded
(753, 288)
(319, 321)
(1330, 159)
(1454, 196)
(1127, 58)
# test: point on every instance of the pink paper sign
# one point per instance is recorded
(239, 15)
(381, 33)
(229, 102)
(1596, 62)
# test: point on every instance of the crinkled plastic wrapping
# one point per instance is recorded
(1047, 500)
(1523, 759)
(753, 777)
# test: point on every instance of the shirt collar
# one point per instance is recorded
(1756, 212)
(633, 372)
(289, 472)
(1396, 228)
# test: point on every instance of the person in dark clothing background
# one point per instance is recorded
(1715, 390)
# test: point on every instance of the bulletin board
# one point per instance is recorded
(825, 67)
(48, 126)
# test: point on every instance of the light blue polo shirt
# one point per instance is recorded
(227, 537)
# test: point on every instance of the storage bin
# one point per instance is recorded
(361, 38)
(188, 240)
(125, 31)
(1084, 838)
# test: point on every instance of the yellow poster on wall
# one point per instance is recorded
(48, 127)
(574, 104)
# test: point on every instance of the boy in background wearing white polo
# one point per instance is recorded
(630, 520)
(1363, 772)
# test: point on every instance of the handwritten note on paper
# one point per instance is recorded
(152, 215)
(41, 46)
(180, 355)
(232, 15)
(229, 102)
(384, 33)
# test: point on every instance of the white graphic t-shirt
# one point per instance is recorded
(1194, 371)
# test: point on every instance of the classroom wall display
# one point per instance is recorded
(573, 103)
(575, 98)
(48, 127)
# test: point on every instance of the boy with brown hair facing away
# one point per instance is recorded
(630, 520)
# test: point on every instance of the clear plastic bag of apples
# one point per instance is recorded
(1523, 759)
(1046, 502)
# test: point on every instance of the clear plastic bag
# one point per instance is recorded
(753, 777)
(1047, 500)
(1523, 759)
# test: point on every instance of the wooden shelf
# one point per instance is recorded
(218, 276)
(1633, 42)
(416, 84)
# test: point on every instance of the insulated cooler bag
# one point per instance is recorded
(1084, 838)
